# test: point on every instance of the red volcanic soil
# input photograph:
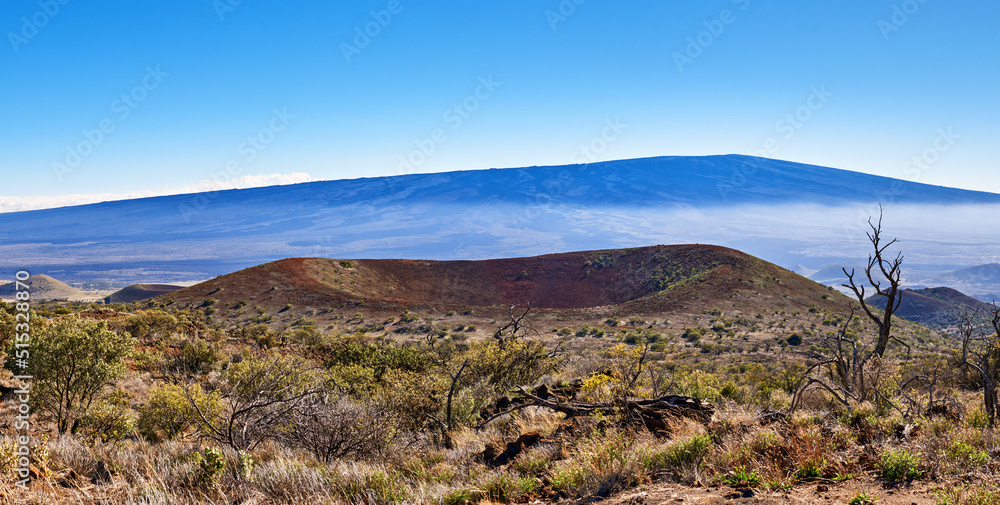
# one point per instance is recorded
(622, 281)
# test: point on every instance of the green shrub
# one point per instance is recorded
(168, 411)
(965, 455)
(147, 360)
(197, 356)
(899, 464)
(984, 494)
(691, 334)
(812, 468)
(976, 418)
(109, 419)
(569, 478)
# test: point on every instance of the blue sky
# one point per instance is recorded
(138, 98)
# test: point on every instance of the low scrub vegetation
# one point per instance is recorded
(151, 406)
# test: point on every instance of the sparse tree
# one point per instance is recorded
(891, 272)
(981, 352)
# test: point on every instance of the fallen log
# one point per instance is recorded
(653, 413)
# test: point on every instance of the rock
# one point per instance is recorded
(494, 459)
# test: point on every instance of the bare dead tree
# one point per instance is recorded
(890, 271)
(855, 373)
(981, 352)
(338, 427)
(847, 365)
(513, 329)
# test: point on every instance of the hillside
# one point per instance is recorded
(656, 280)
(43, 287)
(937, 308)
(137, 292)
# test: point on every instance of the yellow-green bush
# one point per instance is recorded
(168, 411)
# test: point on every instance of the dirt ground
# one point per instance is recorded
(916, 493)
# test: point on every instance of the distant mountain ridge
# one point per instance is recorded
(937, 308)
(473, 214)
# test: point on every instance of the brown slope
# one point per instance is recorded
(137, 292)
(623, 281)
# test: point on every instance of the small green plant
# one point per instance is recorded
(812, 468)
(346, 264)
(742, 477)
(245, 465)
(683, 453)
(462, 497)
(842, 477)
(976, 418)
(211, 463)
(8, 455)
(501, 488)
(899, 464)
(568, 478)
(862, 498)
(985, 494)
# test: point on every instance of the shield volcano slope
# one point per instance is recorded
(644, 280)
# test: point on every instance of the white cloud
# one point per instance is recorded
(22, 203)
(247, 181)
